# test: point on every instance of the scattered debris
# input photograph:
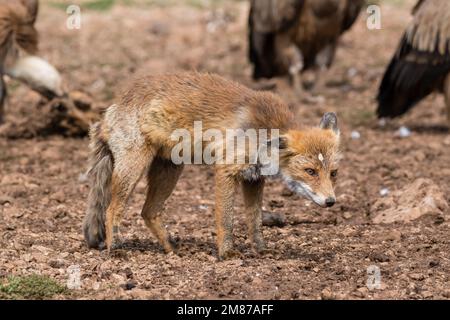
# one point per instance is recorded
(272, 219)
(351, 72)
(403, 132)
(347, 215)
(5, 199)
(129, 285)
(355, 135)
(384, 192)
(276, 203)
(382, 122)
(327, 294)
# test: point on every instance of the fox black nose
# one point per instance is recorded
(330, 201)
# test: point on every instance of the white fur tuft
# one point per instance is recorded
(38, 74)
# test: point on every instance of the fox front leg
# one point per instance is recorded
(225, 189)
(253, 196)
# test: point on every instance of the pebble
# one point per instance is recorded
(347, 215)
(355, 135)
(384, 192)
(5, 199)
(327, 294)
(403, 132)
(417, 276)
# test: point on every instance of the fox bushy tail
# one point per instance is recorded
(100, 172)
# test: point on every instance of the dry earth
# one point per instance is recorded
(318, 254)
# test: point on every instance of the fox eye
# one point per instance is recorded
(311, 172)
(334, 173)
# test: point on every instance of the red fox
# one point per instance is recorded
(135, 137)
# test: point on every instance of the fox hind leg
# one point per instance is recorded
(253, 195)
(162, 178)
(126, 173)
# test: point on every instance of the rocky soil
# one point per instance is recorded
(393, 191)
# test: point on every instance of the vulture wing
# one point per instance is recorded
(351, 13)
(17, 18)
(421, 62)
(266, 19)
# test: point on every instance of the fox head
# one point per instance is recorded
(309, 160)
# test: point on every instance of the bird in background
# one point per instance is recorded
(18, 49)
(287, 37)
(421, 64)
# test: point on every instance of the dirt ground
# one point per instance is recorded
(320, 253)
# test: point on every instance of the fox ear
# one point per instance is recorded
(329, 121)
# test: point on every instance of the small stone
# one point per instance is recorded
(272, 219)
(417, 276)
(287, 192)
(433, 263)
(5, 199)
(129, 285)
(58, 196)
(347, 215)
(128, 273)
(379, 257)
(352, 72)
(403, 132)
(276, 203)
(355, 135)
(384, 192)
(363, 291)
(56, 263)
(327, 294)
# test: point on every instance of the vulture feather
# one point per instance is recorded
(421, 63)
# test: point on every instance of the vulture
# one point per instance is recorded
(18, 48)
(421, 64)
(287, 37)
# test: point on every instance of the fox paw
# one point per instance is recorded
(116, 244)
(230, 254)
(260, 247)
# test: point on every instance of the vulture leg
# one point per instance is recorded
(324, 60)
(295, 68)
(447, 96)
(2, 98)
(292, 60)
